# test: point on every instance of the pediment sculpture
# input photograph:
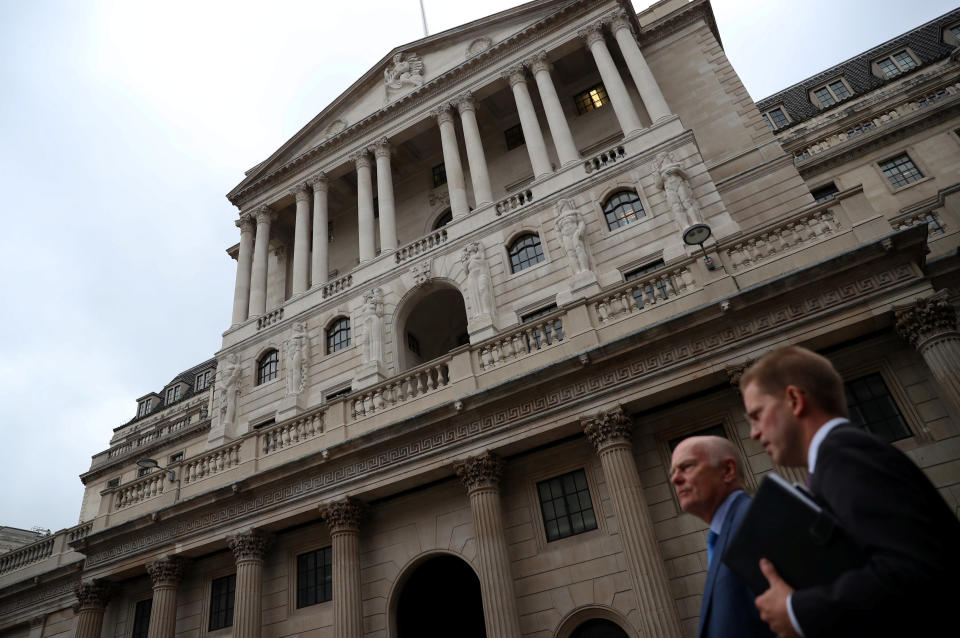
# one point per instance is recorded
(404, 72)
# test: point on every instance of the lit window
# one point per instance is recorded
(314, 577)
(566, 505)
(896, 64)
(647, 289)
(267, 367)
(514, 137)
(870, 404)
(778, 117)
(825, 192)
(525, 252)
(900, 170)
(591, 99)
(141, 618)
(203, 380)
(338, 335)
(222, 591)
(439, 175)
(621, 208)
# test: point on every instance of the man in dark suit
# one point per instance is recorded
(909, 584)
(708, 478)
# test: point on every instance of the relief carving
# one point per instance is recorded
(479, 283)
(249, 545)
(297, 359)
(672, 179)
(227, 383)
(928, 317)
(607, 428)
(371, 318)
(343, 515)
(93, 593)
(166, 571)
(571, 227)
(481, 471)
(403, 72)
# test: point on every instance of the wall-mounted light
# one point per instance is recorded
(149, 464)
(695, 236)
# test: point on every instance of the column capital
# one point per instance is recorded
(380, 148)
(607, 428)
(166, 571)
(480, 471)
(515, 75)
(301, 192)
(735, 372)
(264, 215)
(444, 114)
(465, 102)
(618, 20)
(592, 33)
(249, 545)
(361, 159)
(319, 182)
(246, 223)
(927, 317)
(343, 515)
(36, 622)
(539, 63)
(93, 593)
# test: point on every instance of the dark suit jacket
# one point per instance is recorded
(909, 584)
(727, 610)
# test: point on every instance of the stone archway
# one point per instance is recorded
(440, 597)
(598, 628)
(431, 323)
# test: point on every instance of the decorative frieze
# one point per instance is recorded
(342, 515)
(480, 472)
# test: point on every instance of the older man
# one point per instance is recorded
(708, 478)
(909, 585)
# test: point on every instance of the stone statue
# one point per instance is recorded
(571, 227)
(298, 359)
(478, 279)
(403, 72)
(673, 180)
(228, 388)
(371, 318)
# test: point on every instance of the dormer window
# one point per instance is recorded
(776, 118)
(144, 408)
(893, 65)
(203, 380)
(173, 394)
(831, 93)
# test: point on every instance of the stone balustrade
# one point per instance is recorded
(513, 202)
(604, 159)
(272, 317)
(78, 532)
(26, 555)
(935, 225)
(521, 342)
(790, 236)
(407, 386)
(337, 286)
(289, 433)
(643, 293)
(140, 490)
(421, 246)
(210, 463)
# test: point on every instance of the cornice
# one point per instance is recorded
(677, 20)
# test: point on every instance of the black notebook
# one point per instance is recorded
(804, 542)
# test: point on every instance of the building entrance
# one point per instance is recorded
(441, 598)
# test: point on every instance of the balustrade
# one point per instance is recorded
(283, 435)
(934, 224)
(643, 293)
(795, 233)
(513, 202)
(604, 159)
(140, 490)
(421, 246)
(337, 286)
(210, 463)
(78, 532)
(528, 339)
(405, 387)
(23, 556)
(270, 318)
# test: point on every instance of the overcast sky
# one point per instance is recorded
(122, 125)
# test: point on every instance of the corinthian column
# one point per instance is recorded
(532, 135)
(930, 325)
(248, 550)
(479, 175)
(388, 220)
(301, 239)
(320, 269)
(261, 252)
(451, 162)
(609, 432)
(368, 245)
(481, 476)
(612, 82)
(92, 598)
(165, 574)
(642, 75)
(343, 519)
(241, 291)
(559, 130)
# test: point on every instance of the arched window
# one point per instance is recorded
(525, 252)
(622, 207)
(267, 367)
(338, 335)
(445, 218)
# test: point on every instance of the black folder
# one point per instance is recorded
(802, 540)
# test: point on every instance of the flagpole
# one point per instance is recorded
(423, 14)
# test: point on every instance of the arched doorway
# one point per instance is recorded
(432, 323)
(598, 628)
(441, 598)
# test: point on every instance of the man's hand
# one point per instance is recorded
(773, 602)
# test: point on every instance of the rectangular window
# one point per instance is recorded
(647, 290)
(439, 175)
(314, 577)
(767, 120)
(591, 99)
(713, 430)
(888, 68)
(839, 90)
(896, 64)
(825, 97)
(825, 192)
(222, 591)
(901, 170)
(143, 471)
(170, 395)
(114, 482)
(871, 405)
(176, 458)
(778, 117)
(904, 60)
(514, 137)
(141, 618)
(203, 380)
(955, 30)
(566, 506)
(339, 393)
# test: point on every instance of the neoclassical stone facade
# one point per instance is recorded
(467, 330)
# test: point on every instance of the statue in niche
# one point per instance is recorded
(298, 359)
(371, 318)
(478, 279)
(403, 72)
(672, 178)
(228, 388)
(571, 227)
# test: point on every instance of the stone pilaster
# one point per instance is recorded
(320, 266)
(930, 325)
(388, 222)
(248, 550)
(166, 574)
(532, 134)
(609, 432)
(479, 174)
(343, 519)
(451, 162)
(612, 82)
(365, 231)
(559, 129)
(647, 85)
(241, 291)
(261, 252)
(92, 599)
(37, 623)
(481, 476)
(301, 239)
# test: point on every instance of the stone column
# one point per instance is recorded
(930, 325)
(368, 246)
(92, 598)
(481, 476)
(388, 218)
(647, 85)
(609, 432)
(343, 519)
(241, 291)
(320, 268)
(479, 174)
(165, 574)
(301, 239)
(261, 252)
(612, 82)
(451, 162)
(532, 135)
(248, 550)
(37, 623)
(559, 129)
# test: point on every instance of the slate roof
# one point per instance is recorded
(188, 377)
(925, 41)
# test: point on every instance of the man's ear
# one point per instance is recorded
(729, 470)
(796, 400)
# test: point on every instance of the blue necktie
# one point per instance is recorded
(711, 543)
